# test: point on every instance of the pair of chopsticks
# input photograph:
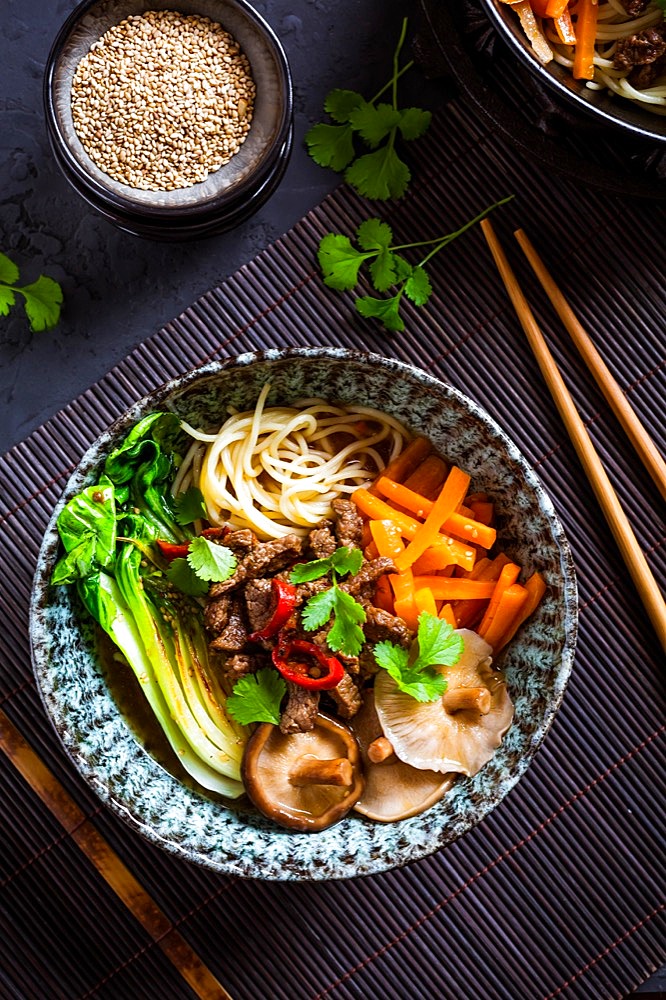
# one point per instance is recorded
(618, 522)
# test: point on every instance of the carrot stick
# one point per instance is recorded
(428, 477)
(510, 602)
(508, 576)
(446, 613)
(387, 538)
(384, 595)
(376, 509)
(408, 460)
(586, 31)
(451, 588)
(536, 588)
(425, 601)
(456, 524)
(434, 560)
(555, 8)
(470, 612)
(483, 511)
(451, 494)
(565, 28)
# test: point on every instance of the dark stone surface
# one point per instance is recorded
(119, 289)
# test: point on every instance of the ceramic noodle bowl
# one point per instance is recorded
(122, 758)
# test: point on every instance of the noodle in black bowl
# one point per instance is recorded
(99, 714)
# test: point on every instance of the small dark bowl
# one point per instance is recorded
(229, 195)
(615, 112)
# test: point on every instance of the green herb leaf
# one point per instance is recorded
(385, 310)
(374, 123)
(331, 145)
(211, 562)
(7, 300)
(339, 261)
(373, 234)
(257, 697)
(413, 123)
(380, 175)
(190, 506)
(437, 645)
(340, 104)
(9, 272)
(343, 560)
(183, 577)
(346, 560)
(418, 287)
(346, 635)
(43, 299)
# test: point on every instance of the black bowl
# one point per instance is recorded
(229, 195)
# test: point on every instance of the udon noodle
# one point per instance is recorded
(276, 469)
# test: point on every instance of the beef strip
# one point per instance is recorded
(347, 697)
(641, 49)
(263, 559)
(216, 614)
(259, 602)
(322, 542)
(348, 524)
(240, 664)
(240, 542)
(233, 637)
(362, 585)
(642, 77)
(381, 625)
(300, 713)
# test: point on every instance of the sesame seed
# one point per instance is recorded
(162, 100)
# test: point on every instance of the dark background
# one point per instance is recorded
(120, 289)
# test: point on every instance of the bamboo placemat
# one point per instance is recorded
(560, 891)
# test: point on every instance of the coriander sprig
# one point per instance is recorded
(341, 262)
(346, 635)
(380, 174)
(42, 298)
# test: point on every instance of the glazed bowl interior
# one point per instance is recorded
(129, 769)
(624, 116)
(270, 123)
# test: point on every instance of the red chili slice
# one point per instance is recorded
(297, 658)
(285, 602)
(173, 550)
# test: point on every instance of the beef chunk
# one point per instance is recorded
(263, 559)
(216, 614)
(304, 591)
(301, 710)
(233, 636)
(640, 49)
(322, 541)
(381, 625)
(362, 585)
(259, 602)
(237, 666)
(347, 697)
(635, 7)
(240, 542)
(349, 524)
(642, 77)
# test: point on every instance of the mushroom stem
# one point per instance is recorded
(477, 699)
(380, 750)
(315, 771)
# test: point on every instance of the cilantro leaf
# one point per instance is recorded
(318, 609)
(383, 271)
(9, 272)
(381, 175)
(386, 310)
(343, 560)
(7, 299)
(418, 287)
(373, 234)
(257, 697)
(374, 123)
(346, 635)
(190, 506)
(210, 561)
(341, 103)
(183, 577)
(413, 122)
(331, 145)
(339, 261)
(436, 645)
(43, 299)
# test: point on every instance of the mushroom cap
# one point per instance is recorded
(427, 736)
(393, 790)
(271, 757)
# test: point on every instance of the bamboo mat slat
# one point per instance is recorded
(560, 891)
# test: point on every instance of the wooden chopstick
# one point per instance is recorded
(640, 439)
(99, 852)
(618, 522)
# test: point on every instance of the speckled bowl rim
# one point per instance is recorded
(275, 866)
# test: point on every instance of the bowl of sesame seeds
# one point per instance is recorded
(172, 118)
